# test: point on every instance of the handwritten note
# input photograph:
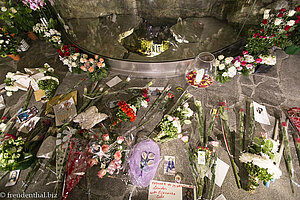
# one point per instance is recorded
(260, 113)
(170, 191)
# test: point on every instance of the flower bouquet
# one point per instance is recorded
(171, 125)
(13, 155)
(128, 111)
(107, 152)
(274, 30)
(8, 44)
(225, 68)
(245, 64)
(95, 67)
(49, 82)
(202, 160)
(259, 162)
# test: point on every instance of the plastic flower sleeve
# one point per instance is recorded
(143, 162)
(76, 165)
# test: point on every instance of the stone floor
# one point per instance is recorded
(276, 89)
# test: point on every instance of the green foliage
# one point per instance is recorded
(49, 86)
(8, 44)
(260, 173)
(262, 145)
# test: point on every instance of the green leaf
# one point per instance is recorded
(269, 144)
(292, 50)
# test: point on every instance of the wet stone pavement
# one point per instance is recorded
(276, 89)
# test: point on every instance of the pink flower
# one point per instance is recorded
(105, 148)
(185, 138)
(283, 10)
(245, 52)
(258, 60)
(239, 68)
(249, 66)
(297, 140)
(105, 137)
(118, 155)
(96, 56)
(101, 173)
(92, 162)
(243, 63)
(83, 68)
(120, 139)
(283, 124)
(91, 69)
(91, 60)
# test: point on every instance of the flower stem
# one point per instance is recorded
(242, 118)
(213, 177)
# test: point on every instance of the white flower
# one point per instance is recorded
(128, 79)
(8, 93)
(228, 60)
(74, 64)
(198, 103)
(220, 57)
(266, 13)
(291, 13)
(144, 103)
(186, 105)
(2, 127)
(7, 41)
(176, 123)
(291, 23)
(9, 75)
(85, 56)
(277, 21)
(1, 41)
(50, 69)
(188, 112)
(216, 63)
(231, 72)
(133, 108)
(185, 138)
(11, 88)
(268, 60)
(249, 59)
(3, 9)
(82, 60)
(221, 67)
(13, 10)
(65, 61)
(169, 117)
(225, 74)
(237, 63)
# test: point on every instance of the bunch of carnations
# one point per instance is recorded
(95, 67)
(107, 152)
(13, 155)
(171, 125)
(203, 160)
(225, 68)
(274, 30)
(246, 64)
(128, 111)
(259, 162)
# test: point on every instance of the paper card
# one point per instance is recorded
(221, 171)
(220, 197)
(171, 191)
(201, 157)
(64, 112)
(39, 95)
(53, 101)
(27, 126)
(169, 165)
(2, 104)
(114, 81)
(28, 114)
(260, 114)
(13, 178)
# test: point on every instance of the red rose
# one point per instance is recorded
(148, 99)
(73, 45)
(298, 9)
(283, 10)
(262, 30)
(67, 53)
(297, 21)
(7, 135)
(284, 124)
(4, 118)
(265, 21)
(222, 104)
(298, 16)
(245, 52)
(280, 14)
(287, 27)
(242, 110)
(76, 50)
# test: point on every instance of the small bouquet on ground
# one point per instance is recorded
(95, 67)
(275, 30)
(49, 33)
(171, 125)
(225, 68)
(13, 155)
(202, 160)
(107, 152)
(245, 64)
(259, 162)
(40, 29)
(8, 44)
(128, 111)
(49, 82)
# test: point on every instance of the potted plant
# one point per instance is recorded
(8, 45)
